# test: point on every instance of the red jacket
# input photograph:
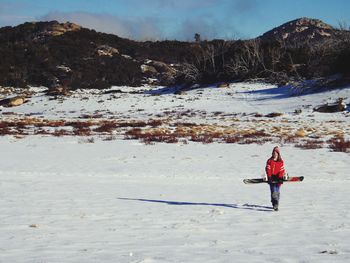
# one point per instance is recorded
(274, 168)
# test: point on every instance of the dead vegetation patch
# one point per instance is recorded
(339, 144)
(171, 130)
(310, 144)
(198, 133)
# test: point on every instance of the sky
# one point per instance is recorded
(176, 19)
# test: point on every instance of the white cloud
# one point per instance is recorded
(151, 19)
(135, 28)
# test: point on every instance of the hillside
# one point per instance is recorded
(56, 54)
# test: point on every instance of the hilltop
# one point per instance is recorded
(302, 30)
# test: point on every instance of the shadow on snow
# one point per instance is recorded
(236, 206)
(288, 91)
(175, 89)
(273, 93)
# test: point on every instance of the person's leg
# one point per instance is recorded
(275, 195)
(272, 191)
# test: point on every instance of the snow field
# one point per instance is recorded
(122, 201)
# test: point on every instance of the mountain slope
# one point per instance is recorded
(65, 54)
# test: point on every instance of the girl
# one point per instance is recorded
(274, 175)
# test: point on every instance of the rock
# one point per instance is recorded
(54, 28)
(167, 79)
(274, 114)
(105, 50)
(13, 102)
(300, 133)
(58, 91)
(146, 69)
(126, 56)
(152, 81)
(59, 29)
(167, 74)
(162, 67)
(223, 85)
(117, 91)
(63, 68)
(338, 106)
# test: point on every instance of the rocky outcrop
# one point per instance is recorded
(53, 29)
(300, 30)
(148, 70)
(338, 106)
(58, 91)
(13, 102)
(223, 85)
(57, 29)
(159, 73)
(105, 50)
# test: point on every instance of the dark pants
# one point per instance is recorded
(275, 194)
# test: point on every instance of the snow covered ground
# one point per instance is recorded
(68, 199)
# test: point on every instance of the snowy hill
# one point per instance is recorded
(83, 178)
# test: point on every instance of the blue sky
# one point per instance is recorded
(175, 19)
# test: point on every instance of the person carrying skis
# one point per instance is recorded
(274, 175)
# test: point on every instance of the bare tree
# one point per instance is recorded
(189, 73)
(248, 59)
(197, 37)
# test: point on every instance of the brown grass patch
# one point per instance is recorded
(339, 144)
(106, 127)
(310, 144)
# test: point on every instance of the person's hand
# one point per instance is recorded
(285, 177)
(265, 178)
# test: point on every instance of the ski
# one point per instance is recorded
(261, 180)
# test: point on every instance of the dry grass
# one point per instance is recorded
(106, 127)
(310, 144)
(202, 138)
(60, 133)
(198, 133)
(339, 144)
(133, 134)
(151, 136)
(171, 130)
(300, 133)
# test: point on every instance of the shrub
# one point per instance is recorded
(155, 123)
(232, 139)
(133, 124)
(106, 127)
(79, 124)
(150, 138)
(133, 134)
(310, 144)
(109, 138)
(82, 131)
(202, 138)
(339, 144)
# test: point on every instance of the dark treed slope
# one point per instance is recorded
(52, 53)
